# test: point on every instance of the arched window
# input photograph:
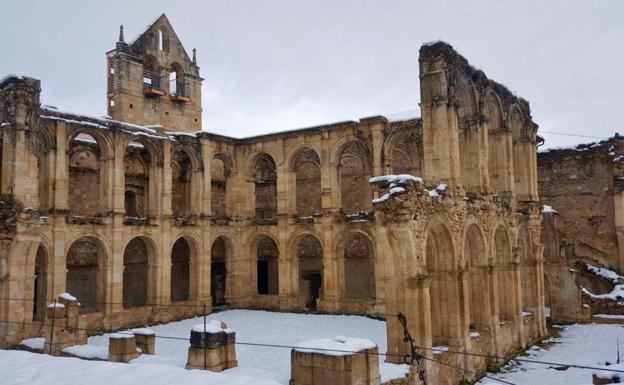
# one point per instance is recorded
(265, 183)
(176, 80)
(162, 40)
(84, 279)
(219, 253)
(267, 272)
(84, 176)
(359, 267)
(307, 167)
(40, 285)
(528, 276)
(181, 173)
(219, 172)
(479, 281)
(136, 162)
(505, 276)
(180, 270)
(355, 171)
(135, 274)
(444, 288)
(310, 258)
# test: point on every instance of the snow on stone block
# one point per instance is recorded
(337, 346)
(67, 296)
(338, 360)
(145, 340)
(212, 326)
(34, 343)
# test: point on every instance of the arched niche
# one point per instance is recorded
(40, 299)
(355, 170)
(505, 275)
(265, 186)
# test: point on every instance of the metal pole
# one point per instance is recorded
(205, 337)
(52, 327)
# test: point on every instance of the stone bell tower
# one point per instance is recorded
(153, 81)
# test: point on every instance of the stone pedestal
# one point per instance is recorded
(63, 325)
(323, 367)
(145, 340)
(213, 349)
(122, 348)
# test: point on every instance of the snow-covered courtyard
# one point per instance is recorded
(251, 326)
(590, 345)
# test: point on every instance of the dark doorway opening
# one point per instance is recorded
(263, 277)
(217, 283)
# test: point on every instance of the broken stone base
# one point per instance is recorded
(310, 367)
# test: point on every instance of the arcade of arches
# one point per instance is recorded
(147, 224)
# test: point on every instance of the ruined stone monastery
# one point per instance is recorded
(145, 218)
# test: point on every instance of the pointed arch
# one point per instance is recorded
(309, 253)
(264, 172)
(479, 278)
(355, 168)
(220, 171)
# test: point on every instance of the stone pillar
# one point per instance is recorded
(212, 347)
(64, 326)
(61, 175)
(439, 119)
(122, 347)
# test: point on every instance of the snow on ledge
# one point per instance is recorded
(546, 209)
(337, 346)
(604, 273)
(213, 326)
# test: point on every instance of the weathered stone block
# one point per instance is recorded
(122, 348)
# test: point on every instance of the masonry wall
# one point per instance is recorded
(579, 184)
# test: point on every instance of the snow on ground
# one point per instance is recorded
(589, 344)
(264, 327)
(19, 367)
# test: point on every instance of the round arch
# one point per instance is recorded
(139, 278)
(220, 266)
(87, 258)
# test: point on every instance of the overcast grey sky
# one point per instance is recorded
(277, 65)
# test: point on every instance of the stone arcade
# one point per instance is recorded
(141, 210)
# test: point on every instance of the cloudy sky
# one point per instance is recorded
(277, 65)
